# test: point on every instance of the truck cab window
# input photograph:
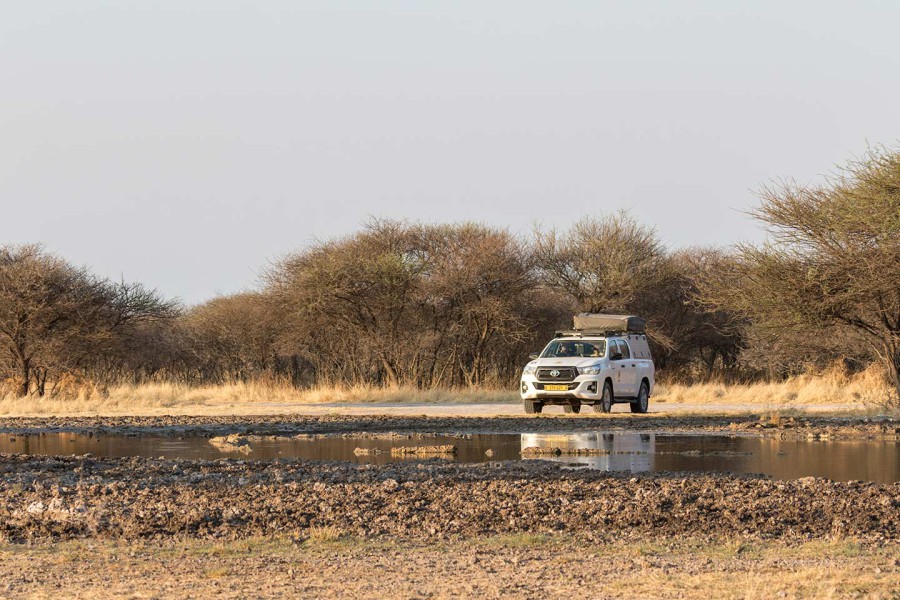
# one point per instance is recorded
(574, 349)
(614, 349)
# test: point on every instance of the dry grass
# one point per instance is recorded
(833, 386)
(324, 535)
(497, 566)
(233, 398)
(520, 540)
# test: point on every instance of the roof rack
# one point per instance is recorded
(595, 332)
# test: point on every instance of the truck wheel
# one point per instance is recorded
(643, 399)
(533, 406)
(572, 407)
(606, 401)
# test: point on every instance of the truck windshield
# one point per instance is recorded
(574, 348)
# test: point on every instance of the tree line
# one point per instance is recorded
(461, 305)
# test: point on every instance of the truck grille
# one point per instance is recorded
(561, 374)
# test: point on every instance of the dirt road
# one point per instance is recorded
(433, 409)
(512, 409)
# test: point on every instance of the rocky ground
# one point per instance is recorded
(72, 497)
(769, 424)
(233, 527)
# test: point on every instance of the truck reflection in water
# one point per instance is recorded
(602, 451)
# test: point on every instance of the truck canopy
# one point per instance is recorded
(609, 323)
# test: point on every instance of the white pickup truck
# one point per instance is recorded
(605, 359)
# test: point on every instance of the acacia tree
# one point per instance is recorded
(477, 285)
(831, 260)
(351, 298)
(606, 264)
(55, 317)
(232, 337)
(611, 264)
(700, 335)
(421, 305)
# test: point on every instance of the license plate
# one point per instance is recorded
(556, 388)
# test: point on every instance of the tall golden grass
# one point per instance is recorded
(832, 387)
(236, 398)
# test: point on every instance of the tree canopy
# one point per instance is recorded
(831, 260)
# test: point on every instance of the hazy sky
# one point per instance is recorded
(184, 143)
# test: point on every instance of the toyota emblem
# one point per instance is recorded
(554, 373)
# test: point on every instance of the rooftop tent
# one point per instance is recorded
(597, 322)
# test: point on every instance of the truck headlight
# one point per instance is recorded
(591, 370)
(529, 369)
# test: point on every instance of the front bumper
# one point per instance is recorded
(584, 387)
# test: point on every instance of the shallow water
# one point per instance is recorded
(618, 451)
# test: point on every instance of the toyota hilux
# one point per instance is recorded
(603, 360)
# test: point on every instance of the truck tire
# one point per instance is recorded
(641, 403)
(533, 406)
(572, 407)
(606, 401)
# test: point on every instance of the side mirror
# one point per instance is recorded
(533, 356)
(616, 356)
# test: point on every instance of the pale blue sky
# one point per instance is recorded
(184, 143)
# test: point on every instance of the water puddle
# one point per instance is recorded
(608, 451)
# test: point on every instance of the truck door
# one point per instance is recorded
(619, 367)
(628, 369)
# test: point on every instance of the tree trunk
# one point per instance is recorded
(25, 386)
(892, 352)
(41, 377)
(389, 371)
(709, 361)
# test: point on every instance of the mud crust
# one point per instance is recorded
(76, 497)
(813, 427)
